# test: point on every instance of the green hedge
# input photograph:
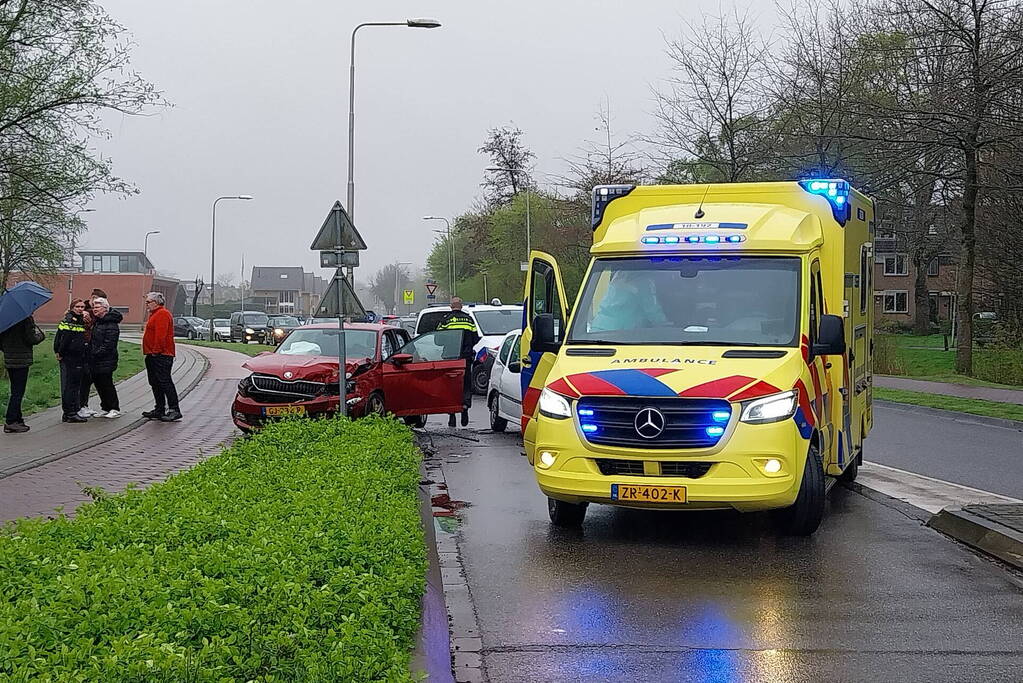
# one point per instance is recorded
(297, 554)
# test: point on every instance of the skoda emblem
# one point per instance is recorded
(289, 374)
(649, 423)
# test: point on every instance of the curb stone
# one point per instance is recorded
(976, 531)
(432, 656)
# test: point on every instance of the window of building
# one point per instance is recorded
(895, 301)
(932, 268)
(896, 264)
(286, 301)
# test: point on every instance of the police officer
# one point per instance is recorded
(460, 320)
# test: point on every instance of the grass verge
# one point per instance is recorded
(925, 358)
(43, 389)
(974, 406)
(294, 555)
(247, 349)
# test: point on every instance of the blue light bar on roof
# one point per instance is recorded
(836, 191)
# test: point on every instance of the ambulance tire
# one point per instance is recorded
(566, 515)
(497, 423)
(804, 516)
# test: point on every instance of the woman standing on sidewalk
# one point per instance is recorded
(16, 343)
(71, 350)
(106, 331)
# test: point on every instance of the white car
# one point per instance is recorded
(504, 395)
(493, 321)
(221, 329)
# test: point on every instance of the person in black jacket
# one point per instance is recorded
(73, 353)
(462, 321)
(106, 331)
(16, 343)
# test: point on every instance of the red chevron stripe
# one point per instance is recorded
(588, 385)
(756, 391)
(564, 388)
(719, 388)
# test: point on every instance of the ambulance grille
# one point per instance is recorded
(613, 420)
(609, 467)
(691, 470)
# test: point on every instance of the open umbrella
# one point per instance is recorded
(21, 301)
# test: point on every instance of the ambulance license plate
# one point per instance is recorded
(648, 494)
(280, 411)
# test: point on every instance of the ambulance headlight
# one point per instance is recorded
(773, 408)
(554, 405)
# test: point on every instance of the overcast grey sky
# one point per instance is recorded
(260, 94)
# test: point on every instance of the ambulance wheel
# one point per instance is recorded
(375, 404)
(566, 515)
(497, 423)
(416, 421)
(480, 380)
(849, 475)
(804, 516)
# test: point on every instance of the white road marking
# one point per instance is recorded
(922, 491)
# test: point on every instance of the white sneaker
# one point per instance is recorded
(113, 414)
(86, 412)
(100, 413)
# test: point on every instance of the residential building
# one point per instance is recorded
(894, 278)
(285, 290)
(125, 276)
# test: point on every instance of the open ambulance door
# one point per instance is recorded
(545, 316)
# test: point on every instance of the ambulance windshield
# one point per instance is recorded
(714, 301)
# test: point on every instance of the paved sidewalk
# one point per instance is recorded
(142, 456)
(51, 439)
(947, 389)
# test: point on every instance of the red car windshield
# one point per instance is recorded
(323, 342)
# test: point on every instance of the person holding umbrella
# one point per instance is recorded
(18, 334)
(73, 353)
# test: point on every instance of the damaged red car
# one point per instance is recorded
(387, 372)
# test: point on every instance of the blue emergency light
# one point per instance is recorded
(836, 191)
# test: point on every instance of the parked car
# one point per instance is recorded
(318, 321)
(189, 327)
(279, 327)
(386, 373)
(504, 396)
(221, 329)
(493, 323)
(248, 326)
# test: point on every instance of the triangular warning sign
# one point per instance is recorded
(338, 233)
(351, 306)
(431, 287)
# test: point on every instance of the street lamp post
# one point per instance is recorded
(145, 248)
(397, 268)
(410, 23)
(514, 172)
(451, 250)
(213, 245)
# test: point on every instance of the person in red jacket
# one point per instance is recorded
(158, 348)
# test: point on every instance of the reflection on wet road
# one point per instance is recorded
(712, 596)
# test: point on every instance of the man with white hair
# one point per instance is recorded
(158, 348)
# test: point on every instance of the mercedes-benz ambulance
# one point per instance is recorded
(718, 354)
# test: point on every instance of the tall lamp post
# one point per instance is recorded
(410, 23)
(213, 245)
(514, 172)
(397, 269)
(451, 250)
(145, 248)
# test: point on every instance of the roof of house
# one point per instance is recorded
(277, 279)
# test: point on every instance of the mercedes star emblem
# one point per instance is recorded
(289, 374)
(649, 423)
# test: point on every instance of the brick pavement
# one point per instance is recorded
(1007, 514)
(142, 456)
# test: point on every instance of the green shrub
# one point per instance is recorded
(1001, 365)
(887, 359)
(297, 554)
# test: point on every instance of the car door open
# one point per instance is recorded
(426, 375)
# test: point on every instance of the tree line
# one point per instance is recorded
(919, 103)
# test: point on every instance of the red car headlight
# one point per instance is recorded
(244, 386)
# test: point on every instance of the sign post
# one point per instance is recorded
(339, 244)
(431, 288)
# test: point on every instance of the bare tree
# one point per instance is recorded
(506, 152)
(714, 113)
(610, 160)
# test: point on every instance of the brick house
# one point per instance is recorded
(894, 277)
(285, 290)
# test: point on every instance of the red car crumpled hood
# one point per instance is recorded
(310, 368)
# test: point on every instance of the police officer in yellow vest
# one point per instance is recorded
(460, 320)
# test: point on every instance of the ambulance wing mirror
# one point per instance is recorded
(543, 334)
(830, 337)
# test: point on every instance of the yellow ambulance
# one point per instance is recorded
(718, 354)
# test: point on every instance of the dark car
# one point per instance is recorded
(190, 327)
(249, 326)
(387, 373)
(279, 327)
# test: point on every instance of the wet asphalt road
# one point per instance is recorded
(956, 449)
(714, 596)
